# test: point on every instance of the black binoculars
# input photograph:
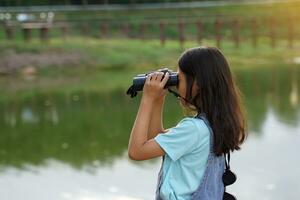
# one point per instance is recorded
(139, 81)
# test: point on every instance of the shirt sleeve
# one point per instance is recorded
(179, 140)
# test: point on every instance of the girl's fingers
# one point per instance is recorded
(148, 78)
(155, 75)
(165, 79)
(159, 76)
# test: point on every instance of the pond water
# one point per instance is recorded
(74, 146)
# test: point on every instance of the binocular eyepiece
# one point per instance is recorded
(139, 81)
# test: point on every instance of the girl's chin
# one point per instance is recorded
(181, 102)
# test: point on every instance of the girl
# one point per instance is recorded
(193, 151)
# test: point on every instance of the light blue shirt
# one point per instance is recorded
(187, 148)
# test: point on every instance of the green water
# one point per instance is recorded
(74, 146)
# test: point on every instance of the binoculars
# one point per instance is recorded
(139, 81)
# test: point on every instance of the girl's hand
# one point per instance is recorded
(154, 86)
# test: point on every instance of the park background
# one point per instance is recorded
(65, 118)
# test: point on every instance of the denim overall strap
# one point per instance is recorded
(211, 185)
(159, 181)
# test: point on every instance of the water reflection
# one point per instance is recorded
(56, 180)
(268, 167)
(74, 146)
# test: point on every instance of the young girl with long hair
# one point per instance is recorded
(194, 151)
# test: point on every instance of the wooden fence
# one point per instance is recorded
(270, 26)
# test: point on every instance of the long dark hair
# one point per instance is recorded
(217, 96)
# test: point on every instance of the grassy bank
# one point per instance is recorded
(106, 65)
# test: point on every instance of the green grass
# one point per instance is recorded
(227, 10)
(109, 65)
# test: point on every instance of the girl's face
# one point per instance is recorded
(181, 87)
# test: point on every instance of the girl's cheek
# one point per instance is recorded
(182, 91)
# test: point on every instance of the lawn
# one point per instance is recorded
(107, 65)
